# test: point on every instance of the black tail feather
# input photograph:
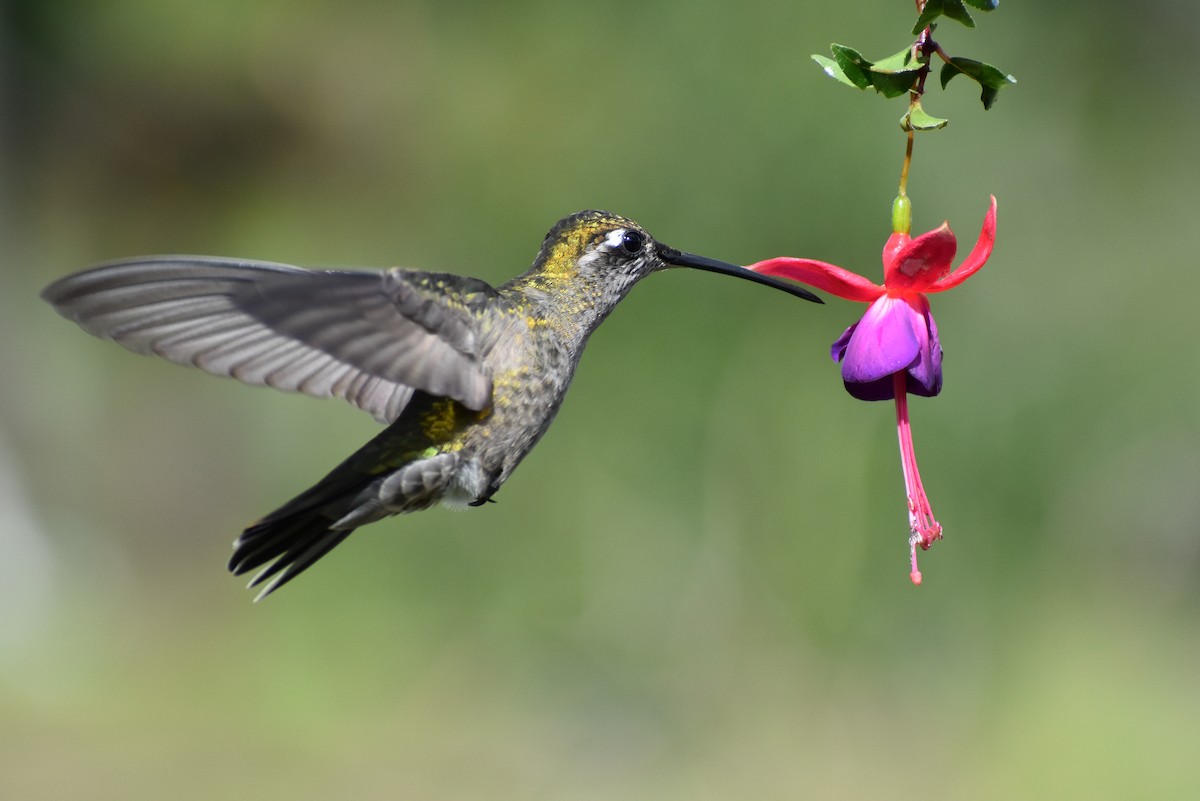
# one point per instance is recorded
(270, 538)
(286, 545)
(291, 539)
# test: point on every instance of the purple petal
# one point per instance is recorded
(883, 389)
(925, 376)
(883, 342)
(871, 391)
(837, 351)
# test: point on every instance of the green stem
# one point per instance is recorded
(902, 206)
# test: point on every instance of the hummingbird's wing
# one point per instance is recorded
(368, 337)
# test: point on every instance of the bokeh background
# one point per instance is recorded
(696, 587)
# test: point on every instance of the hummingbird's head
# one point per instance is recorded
(610, 253)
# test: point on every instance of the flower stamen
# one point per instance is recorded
(925, 530)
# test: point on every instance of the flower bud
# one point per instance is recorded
(901, 215)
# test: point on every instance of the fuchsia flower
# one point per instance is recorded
(894, 349)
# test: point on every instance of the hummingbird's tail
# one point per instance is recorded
(293, 537)
(288, 547)
(399, 470)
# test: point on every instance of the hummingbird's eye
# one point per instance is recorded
(632, 242)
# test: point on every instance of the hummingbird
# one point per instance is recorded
(467, 377)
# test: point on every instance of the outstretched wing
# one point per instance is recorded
(368, 337)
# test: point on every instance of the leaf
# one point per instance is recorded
(932, 10)
(834, 71)
(891, 77)
(896, 74)
(898, 62)
(954, 9)
(893, 84)
(917, 119)
(852, 64)
(988, 77)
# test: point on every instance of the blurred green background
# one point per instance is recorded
(696, 587)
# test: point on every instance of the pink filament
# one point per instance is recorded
(925, 530)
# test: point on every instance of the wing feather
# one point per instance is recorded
(371, 338)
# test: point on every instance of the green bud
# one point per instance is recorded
(902, 215)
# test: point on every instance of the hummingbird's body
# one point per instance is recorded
(467, 376)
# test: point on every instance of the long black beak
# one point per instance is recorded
(673, 256)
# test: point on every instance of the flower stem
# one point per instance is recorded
(902, 206)
(920, 50)
(924, 529)
(908, 150)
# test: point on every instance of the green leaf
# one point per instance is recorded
(896, 74)
(898, 62)
(891, 77)
(932, 10)
(833, 70)
(954, 9)
(892, 84)
(852, 65)
(917, 119)
(988, 77)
